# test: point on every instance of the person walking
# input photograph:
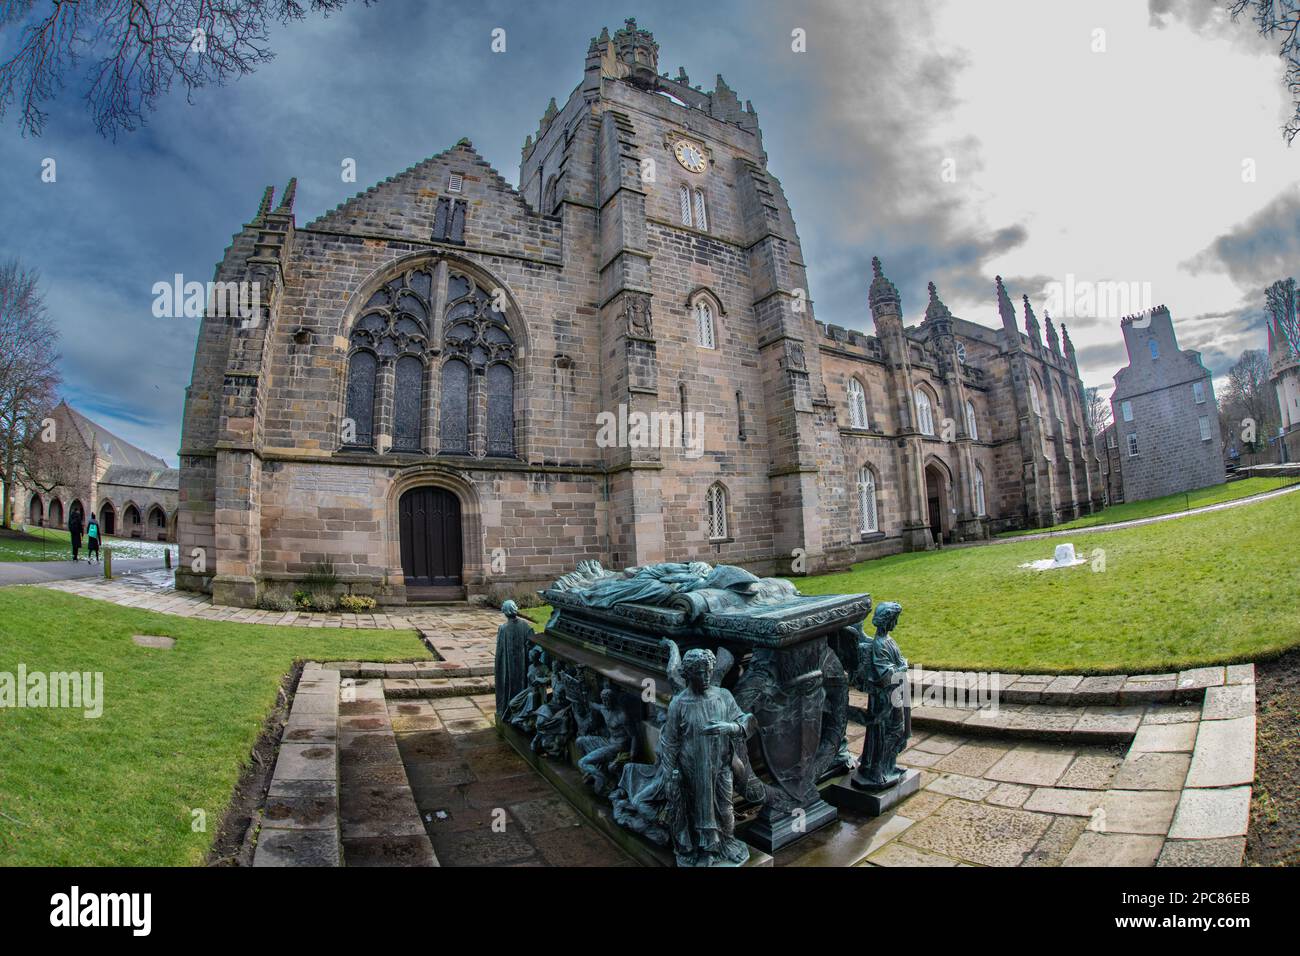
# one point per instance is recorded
(92, 540)
(74, 531)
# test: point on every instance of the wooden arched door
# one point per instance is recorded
(429, 524)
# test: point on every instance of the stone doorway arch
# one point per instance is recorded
(938, 495)
(456, 515)
(107, 519)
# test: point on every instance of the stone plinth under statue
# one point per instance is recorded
(778, 663)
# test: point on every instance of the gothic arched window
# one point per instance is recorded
(857, 404)
(392, 330)
(701, 215)
(684, 198)
(972, 428)
(715, 501)
(477, 340)
(1034, 400)
(869, 520)
(394, 374)
(979, 491)
(705, 336)
(924, 412)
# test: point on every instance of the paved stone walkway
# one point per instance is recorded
(391, 769)
(43, 572)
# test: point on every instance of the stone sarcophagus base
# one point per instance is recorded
(610, 669)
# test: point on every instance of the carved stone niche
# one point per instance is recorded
(636, 312)
(794, 357)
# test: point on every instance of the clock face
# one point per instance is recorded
(690, 156)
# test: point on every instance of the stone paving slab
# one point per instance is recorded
(1205, 814)
(1103, 785)
(1135, 811)
(1224, 754)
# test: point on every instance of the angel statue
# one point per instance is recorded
(687, 795)
(882, 675)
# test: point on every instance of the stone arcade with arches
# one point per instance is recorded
(417, 403)
(86, 469)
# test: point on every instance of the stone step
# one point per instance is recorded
(434, 688)
(1082, 725)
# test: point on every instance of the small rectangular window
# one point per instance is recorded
(1132, 445)
(1111, 441)
(1205, 428)
(1155, 349)
(455, 183)
(1198, 392)
(1126, 409)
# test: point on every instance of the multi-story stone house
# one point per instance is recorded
(425, 399)
(1166, 418)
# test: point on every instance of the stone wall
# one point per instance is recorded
(1171, 454)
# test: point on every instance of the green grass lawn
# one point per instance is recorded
(1204, 589)
(176, 730)
(56, 546)
(1169, 504)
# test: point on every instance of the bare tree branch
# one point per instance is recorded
(136, 50)
(1279, 18)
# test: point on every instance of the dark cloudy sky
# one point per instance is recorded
(1116, 156)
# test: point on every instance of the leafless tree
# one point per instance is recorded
(1280, 302)
(1248, 394)
(135, 51)
(29, 372)
(1097, 410)
(1279, 18)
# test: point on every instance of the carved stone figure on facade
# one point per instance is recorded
(521, 712)
(514, 637)
(636, 309)
(606, 750)
(882, 675)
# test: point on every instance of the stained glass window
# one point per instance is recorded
(408, 404)
(454, 430)
(361, 400)
(500, 411)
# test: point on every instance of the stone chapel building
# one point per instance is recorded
(419, 404)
